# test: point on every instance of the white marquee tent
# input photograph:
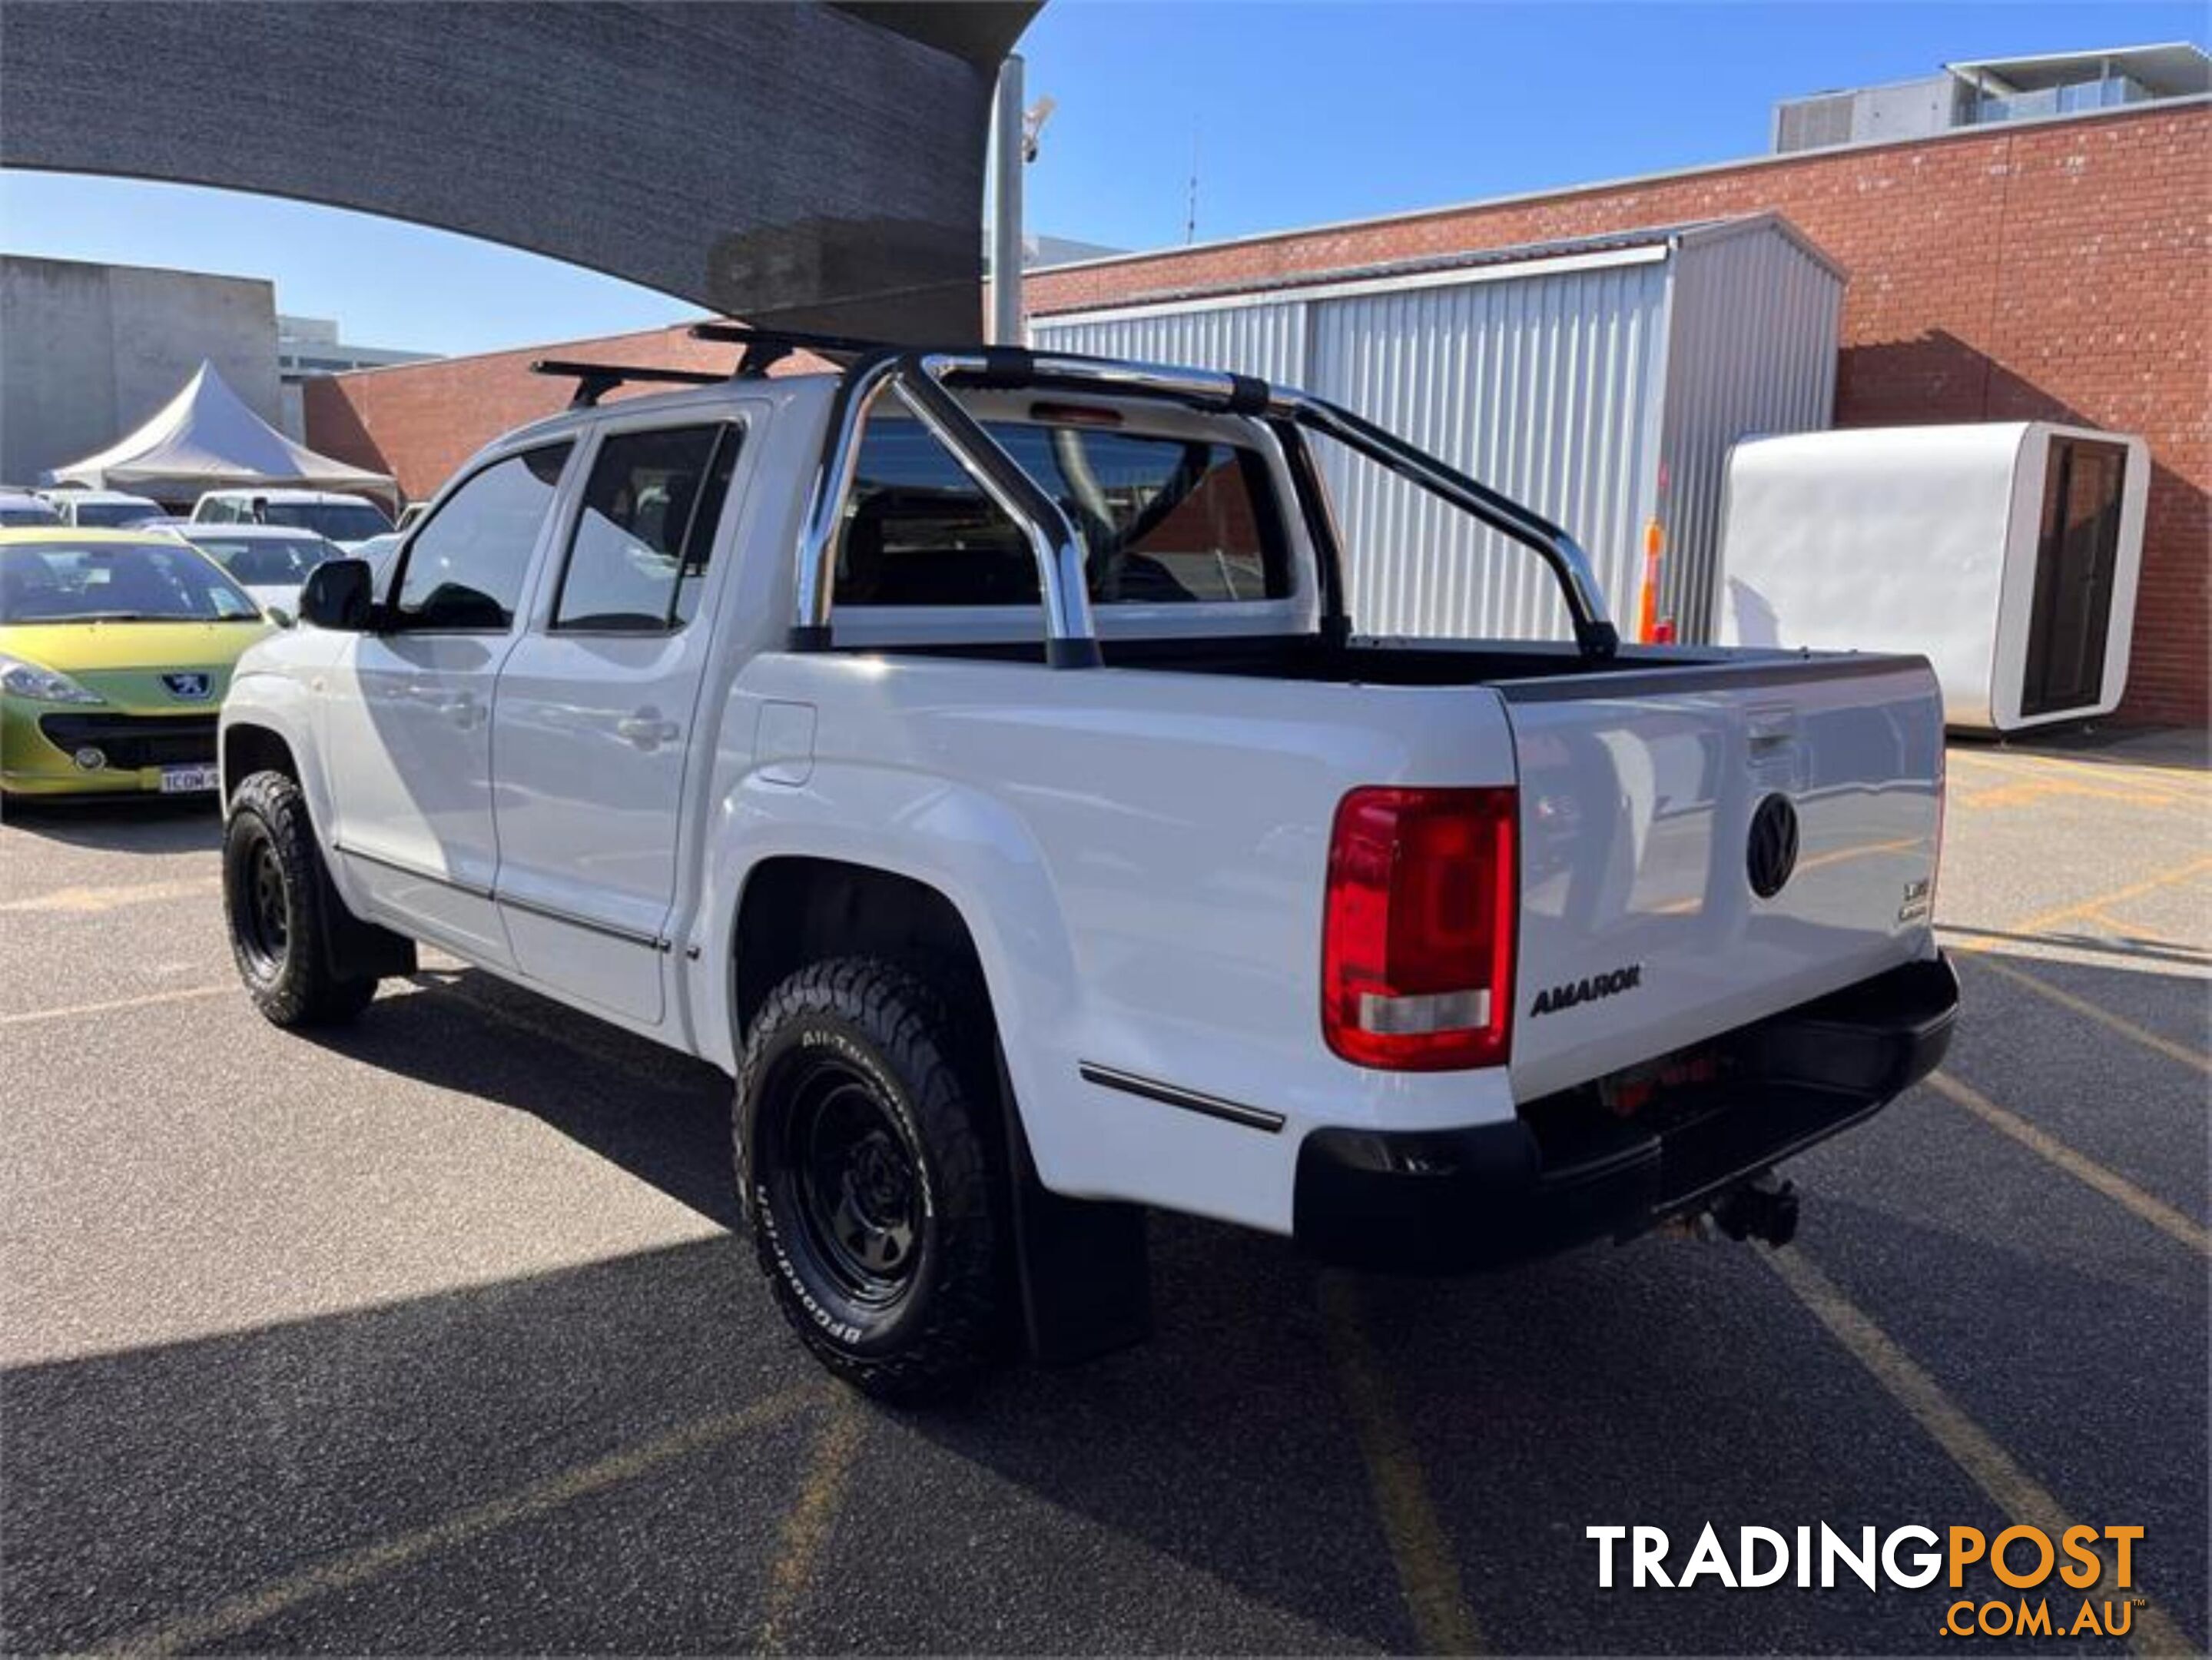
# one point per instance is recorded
(206, 438)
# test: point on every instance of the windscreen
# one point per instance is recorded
(268, 561)
(340, 522)
(161, 582)
(114, 515)
(1163, 520)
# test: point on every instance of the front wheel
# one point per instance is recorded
(866, 1135)
(279, 904)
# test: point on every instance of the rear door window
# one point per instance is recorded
(1163, 520)
(646, 530)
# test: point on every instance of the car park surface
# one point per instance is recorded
(431, 1334)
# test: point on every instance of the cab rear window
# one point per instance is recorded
(1163, 520)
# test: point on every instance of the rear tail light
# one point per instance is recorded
(1417, 952)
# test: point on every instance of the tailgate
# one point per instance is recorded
(1652, 801)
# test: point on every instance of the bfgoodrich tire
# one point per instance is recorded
(279, 906)
(867, 1140)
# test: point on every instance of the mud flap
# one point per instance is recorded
(1081, 1265)
(353, 949)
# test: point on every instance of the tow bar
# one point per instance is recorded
(1762, 1208)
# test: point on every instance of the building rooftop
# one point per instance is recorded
(2173, 68)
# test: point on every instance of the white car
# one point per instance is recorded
(332, 514)
(269, 561)
(970, 753)
(95, 509)
(379, 550)
(22, 509)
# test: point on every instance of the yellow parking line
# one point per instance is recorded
(1967, 1444)
(349, 1569)
(807, 1529)
(2114, 1186)
(1982, 956)
(1428, 1576)
(2118, 896)
(2026, 766)
(70, 1011)
(2026, 792)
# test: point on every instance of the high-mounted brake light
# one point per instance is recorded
(1417, 952)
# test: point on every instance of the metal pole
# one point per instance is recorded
(1006, 209)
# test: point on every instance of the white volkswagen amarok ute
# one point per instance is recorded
(969, 750)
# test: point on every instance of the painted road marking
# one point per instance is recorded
(807, 1528)
(2114, 1186)
(1982, 957)
(349, 1569)
(88, 901)
(1968, 1445)
(2038, 923)
(69, 1010)
(1419, 1548)
(2183, 782)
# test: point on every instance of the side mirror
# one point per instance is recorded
(278, 615)
(339, 593)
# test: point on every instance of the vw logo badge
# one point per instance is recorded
(1772, 852)
(191, 687)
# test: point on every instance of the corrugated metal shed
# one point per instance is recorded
(1602, 380)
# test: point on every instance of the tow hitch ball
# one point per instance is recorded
(1762, 1208)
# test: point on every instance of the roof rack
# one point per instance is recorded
(764, 347)
(595, 380)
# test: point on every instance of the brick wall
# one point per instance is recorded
(420, 421)
(2054, 272)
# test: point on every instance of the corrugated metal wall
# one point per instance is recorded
(1544, 388)
(1756, 323)
(1267, 338)
(1575, 387)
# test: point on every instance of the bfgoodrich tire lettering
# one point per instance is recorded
(278, 902)
(867, 1159)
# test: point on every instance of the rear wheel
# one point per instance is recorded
(866, 1155)
(279, 905)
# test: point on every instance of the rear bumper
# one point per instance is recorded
(1567, 1169)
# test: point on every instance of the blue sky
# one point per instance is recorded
(1300, 113)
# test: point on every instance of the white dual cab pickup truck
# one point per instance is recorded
(968, 752)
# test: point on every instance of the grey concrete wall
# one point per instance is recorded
(88, 352)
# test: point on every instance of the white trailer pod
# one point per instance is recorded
(2006, 553)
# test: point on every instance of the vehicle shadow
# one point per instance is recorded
(1290, 1462)
(660, 1115)
(150, 824)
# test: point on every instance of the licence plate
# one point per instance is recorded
(186, 780)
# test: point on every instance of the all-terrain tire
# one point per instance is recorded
(853, 1065)
(279, 904)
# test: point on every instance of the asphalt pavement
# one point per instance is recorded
(432, 1335)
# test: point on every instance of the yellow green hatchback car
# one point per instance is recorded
(116, 648)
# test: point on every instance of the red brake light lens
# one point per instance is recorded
(1417, 953)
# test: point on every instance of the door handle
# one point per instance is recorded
(445, 703)
(647, 730)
